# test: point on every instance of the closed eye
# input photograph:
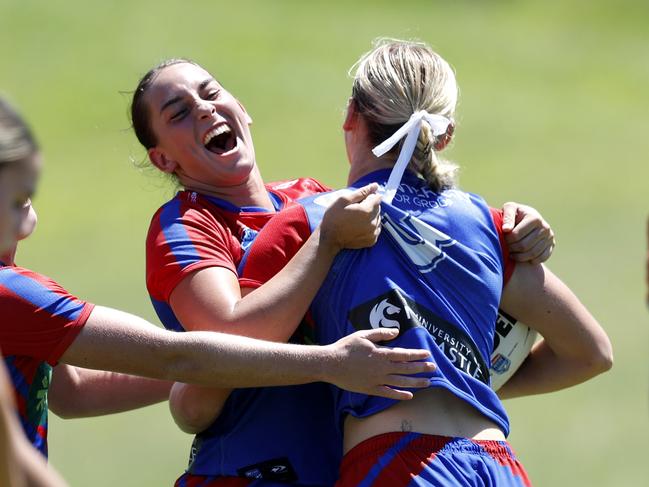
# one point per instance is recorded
(179, 115)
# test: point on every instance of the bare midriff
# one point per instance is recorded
(434, 411)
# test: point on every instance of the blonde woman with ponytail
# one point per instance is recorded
(438, 273)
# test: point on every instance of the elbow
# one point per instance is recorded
(600, 359)
(65, 396)
(189, 415)
(189, 421)
(64, 412)
(66, 406)
(604, 361)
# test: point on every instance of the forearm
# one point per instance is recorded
(117, 341)
(77, 392)
(8, 467)
(31, 469)
(22, 466)
(574, 346)
(210, 299)
(544, 371)
(273, 311)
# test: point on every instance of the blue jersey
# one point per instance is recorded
(436, 273)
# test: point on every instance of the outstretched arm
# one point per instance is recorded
(574, 347)
(118, 341)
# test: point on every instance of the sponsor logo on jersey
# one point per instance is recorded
(396, 310)
(504, 325)
(278, 469)
(380, 315)
(421, 243)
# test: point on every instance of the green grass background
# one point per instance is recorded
(553, 112)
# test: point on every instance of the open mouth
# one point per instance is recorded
(220, 139)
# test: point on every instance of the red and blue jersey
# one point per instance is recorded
(436, 273)
(40, 320)
(279, 434)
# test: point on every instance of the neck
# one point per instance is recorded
(363, 162)
(8, 257)
(250, 192)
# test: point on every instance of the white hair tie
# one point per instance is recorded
(438, 124)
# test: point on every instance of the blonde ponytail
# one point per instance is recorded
(393, 81)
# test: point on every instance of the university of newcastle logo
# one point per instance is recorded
(396, 310)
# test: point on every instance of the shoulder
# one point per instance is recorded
(19, 280)
(297, 188)
(469, 205)
(185, 211)
(22, 288)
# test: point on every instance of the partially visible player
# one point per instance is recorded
(43, 325)
(95, 392)
(194, 129)
(21, 465)
(436, 274)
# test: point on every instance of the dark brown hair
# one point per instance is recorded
(139, 108)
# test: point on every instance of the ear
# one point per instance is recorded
(351, 117)
(248, 117)
(161, 161)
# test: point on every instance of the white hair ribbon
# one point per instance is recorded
(438, 124)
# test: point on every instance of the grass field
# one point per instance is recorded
(553, 112)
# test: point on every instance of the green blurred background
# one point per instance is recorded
(553, 112)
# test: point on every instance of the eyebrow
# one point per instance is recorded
(176, 99)
(206, 82)
(168, 103)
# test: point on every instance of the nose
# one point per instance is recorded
(205, 108)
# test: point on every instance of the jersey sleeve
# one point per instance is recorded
(274, 247)
(40, 319)
(183, 239)
(509, 264)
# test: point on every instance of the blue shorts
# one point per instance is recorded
(414, 459)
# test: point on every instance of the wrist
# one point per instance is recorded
(327, 241)
(325, 362)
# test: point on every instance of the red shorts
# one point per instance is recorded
(414, 459)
